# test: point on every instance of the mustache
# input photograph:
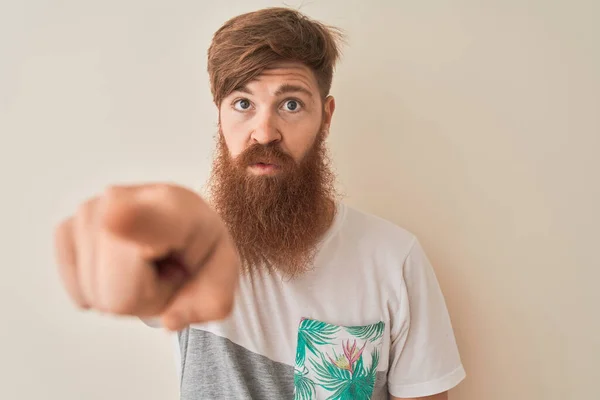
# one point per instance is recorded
(271, 153)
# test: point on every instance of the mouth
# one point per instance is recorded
(263, 168)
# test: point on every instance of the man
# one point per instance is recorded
(277, 290)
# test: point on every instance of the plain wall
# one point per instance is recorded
(473, 124)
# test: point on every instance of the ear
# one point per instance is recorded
(328, 109)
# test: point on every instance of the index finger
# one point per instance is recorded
(161, 218)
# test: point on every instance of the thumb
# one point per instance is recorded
(210, 294)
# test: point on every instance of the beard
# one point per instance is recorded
(276, 221)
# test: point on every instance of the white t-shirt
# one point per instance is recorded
(368, 320)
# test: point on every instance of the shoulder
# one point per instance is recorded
(385, 251)
(377, 233)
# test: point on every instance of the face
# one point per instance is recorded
(271, 182)
(283, 106)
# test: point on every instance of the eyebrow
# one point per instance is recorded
(283, 89)
(243, 89)
(289, 88)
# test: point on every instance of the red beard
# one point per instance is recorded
(276, 221)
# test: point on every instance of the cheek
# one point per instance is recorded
(300, 140)
(234, 145)
(234, 133)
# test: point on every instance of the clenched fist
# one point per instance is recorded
(149, 250)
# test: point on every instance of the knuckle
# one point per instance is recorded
(113, 189)
(140, 298)
(164, 190)
(117, 303)
(86, 211)
(62, 228)
(115, 307)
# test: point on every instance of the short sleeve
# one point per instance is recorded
(424, 358)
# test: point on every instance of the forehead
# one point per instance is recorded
(288, 73)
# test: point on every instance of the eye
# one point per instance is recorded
(242, 105)
(292, 105)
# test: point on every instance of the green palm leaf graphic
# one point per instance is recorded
(346, 386)
(368, 332)
(364, 378)
(311, 334)
(329, 375)
(304, 387)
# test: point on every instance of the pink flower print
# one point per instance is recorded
(350, 356)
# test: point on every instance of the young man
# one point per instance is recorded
(277, 290)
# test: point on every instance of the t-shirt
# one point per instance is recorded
(368, 319)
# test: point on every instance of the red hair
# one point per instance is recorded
(247, 44)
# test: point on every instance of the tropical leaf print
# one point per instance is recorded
(312, 334)
(351, 354)
(336, 362)
(344, 384)
(364, 378)
(304, 387)
(367, 332)
(329, 375)
(374, 363)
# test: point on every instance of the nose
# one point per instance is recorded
(266, 130)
